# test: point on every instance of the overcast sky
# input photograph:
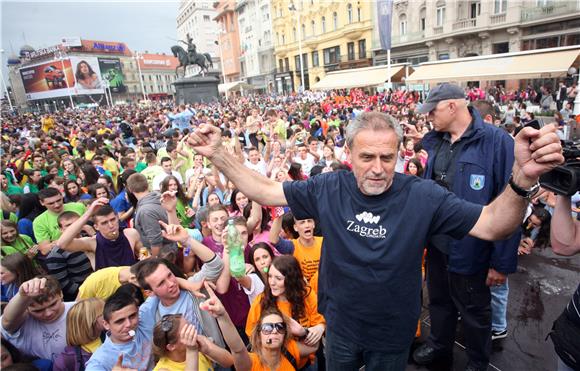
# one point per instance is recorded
(142, 25)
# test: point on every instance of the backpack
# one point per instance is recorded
(565, 335)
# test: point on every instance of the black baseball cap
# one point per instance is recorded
(440, 93)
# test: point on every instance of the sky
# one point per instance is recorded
(143, 25)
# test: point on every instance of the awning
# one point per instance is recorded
(534, 64)
(362, 77)
(234, 86)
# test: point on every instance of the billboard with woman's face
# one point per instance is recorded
(48, 80)
(87, 75)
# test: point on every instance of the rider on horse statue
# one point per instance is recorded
(191, 50)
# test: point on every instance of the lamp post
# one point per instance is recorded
(138, 56)
(292, 8)
(4, 83)
(61, 55)
(219, 44)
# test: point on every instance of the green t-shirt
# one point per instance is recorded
(13, 190)
(140, 166)
(12, 217)
(21, 245)
(45, 225)
(151, 172)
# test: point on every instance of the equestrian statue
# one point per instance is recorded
(191, 56)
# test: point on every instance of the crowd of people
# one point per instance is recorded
(114, 223)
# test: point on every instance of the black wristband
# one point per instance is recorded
(525, 193)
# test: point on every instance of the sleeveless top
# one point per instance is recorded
(113, 253)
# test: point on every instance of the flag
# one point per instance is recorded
(385, 15)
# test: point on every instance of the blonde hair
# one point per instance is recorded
(81, 319)
(256, 339)
(4, 202)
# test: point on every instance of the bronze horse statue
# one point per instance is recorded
(203, 60)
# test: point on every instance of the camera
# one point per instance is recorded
(565, 179)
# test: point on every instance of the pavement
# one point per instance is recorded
(539, 291)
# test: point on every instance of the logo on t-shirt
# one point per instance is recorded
(357, 226)
(477, 181)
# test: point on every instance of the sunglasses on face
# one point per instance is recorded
(268, 328)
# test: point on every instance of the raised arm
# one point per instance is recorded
(564, 230)
(206, 140)
(16, 311)
(67, 240)
(536, 152)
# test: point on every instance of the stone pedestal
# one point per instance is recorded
(197, 89)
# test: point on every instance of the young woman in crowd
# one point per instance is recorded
(238, 202)
(13, 241)
(30, 208)
(184, 211)
(84, 327)
(535, 231)
(107, 181)
(414, 167)
(15, 269)
(73, 192)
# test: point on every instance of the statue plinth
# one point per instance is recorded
(197, 89)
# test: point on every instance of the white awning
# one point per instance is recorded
(361, 77)
(234, 86)
(534, 64)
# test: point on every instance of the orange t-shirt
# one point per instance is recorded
(284, 365)
(308, 256)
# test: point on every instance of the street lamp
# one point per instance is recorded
(4, 83)
(572, 71)
(61, 55)
(292, 8)
(138, 56)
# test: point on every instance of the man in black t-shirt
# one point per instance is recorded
(375, 224)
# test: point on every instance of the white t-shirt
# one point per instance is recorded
(307, 164)
(40, 339)
(156, 184)
(260, 167)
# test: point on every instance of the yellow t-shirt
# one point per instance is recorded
(166, 364)
(93, 346)
(101, 284)
(308, 256)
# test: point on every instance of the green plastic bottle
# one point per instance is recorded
(237, 262)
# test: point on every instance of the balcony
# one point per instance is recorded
(464, 24)
(438, 30)
(497, 18)
(345, 64)
(548, 11)
(407, 38)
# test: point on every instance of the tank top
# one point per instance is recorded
(113, 253)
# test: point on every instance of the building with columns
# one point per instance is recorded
(446, 29)
(257, 60)
(228, 39)
(334, 35)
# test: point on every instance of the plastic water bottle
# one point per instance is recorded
(237, 262)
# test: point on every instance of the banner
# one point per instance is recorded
(48, 80)
(385, 15)
(87, 75)
(111, 71)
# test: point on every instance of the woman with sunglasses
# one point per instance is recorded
(272, 345)
(287, 291)
(178, 347)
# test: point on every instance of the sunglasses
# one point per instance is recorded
(167, 325)
(268, 328)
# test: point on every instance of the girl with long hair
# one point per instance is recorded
(13, 242)
(73, 192)
(184, 212)
(15, 269)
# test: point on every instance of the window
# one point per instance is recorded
(440, 15)
(312, 28)
(334, 21)
(362, 49)
(423, 24)
(500, 48)
(278, 38)
(297, 62)
(283, 39)
(323, 24)
(331, 55)
(303, 30)
(350, 51)
(443, 56)
(315, 62)
(423, 19)
(542, 3)
(294, 34)
(403, 24)
(499, 6)
(287, 64)
(206, 18)
(358, 14)
(349, 11)
(281, 65)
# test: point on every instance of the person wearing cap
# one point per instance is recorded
(374, 239)
(474, 160)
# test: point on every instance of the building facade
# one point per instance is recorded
(333, 36)
(257, 60)
(196, 18)
(229, 39)
(158, 74)
(448, 29)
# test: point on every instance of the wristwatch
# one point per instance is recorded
(528, 194)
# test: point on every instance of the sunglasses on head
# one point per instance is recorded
(268, 328)
(167, 325)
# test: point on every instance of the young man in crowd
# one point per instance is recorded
(167, 166)
(34, 321)
(111, 245)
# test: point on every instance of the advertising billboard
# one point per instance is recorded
(71, 42)
(48, 79)
(87, 75)
(111, 71)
